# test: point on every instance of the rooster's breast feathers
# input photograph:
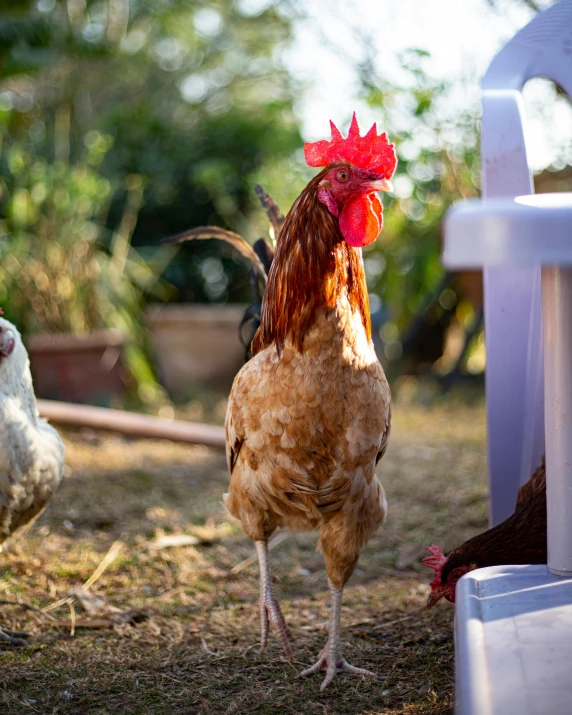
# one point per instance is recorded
(304, 427)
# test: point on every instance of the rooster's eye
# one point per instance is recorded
(342, 175)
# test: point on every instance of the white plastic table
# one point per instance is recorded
(506, 624)
(513, 644)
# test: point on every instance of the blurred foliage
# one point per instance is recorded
(126, 121)
(439, 163)
(121, 123)
(51, 284)
(72, 284)
(193, 96)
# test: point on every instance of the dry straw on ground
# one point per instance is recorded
(173, 630)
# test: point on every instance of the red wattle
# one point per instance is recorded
(361, 219)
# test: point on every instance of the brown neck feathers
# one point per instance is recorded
(312, 267)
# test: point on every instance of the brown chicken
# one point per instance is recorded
(309, 415)
(520, 539)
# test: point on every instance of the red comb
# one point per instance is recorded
(437, 559)
(1, 311)
(436, 562)
(370, 152)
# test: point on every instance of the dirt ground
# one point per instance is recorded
(174, 630)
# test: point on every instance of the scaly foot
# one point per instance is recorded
(270, 611)
(333, 662)
(330, 659)
(13, 638)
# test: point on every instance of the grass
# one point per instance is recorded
(194, 648)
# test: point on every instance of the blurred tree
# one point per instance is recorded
(122, 122)
(193, 96)
(439, 163)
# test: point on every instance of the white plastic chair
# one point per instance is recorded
(514, 383)
(513, 624)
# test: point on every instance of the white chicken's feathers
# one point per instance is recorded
(31, 451)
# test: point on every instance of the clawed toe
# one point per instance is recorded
(320, 664)
(270, 612)
(337, 665)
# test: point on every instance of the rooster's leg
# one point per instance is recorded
(331, 659)
(12, 637)
(269, 607)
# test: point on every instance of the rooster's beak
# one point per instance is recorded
(380, 185)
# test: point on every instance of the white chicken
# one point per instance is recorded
(31, 451)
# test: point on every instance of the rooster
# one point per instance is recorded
(309, 415)
(31, 451)
(520, 539)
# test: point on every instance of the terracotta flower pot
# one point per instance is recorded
(77, 368)
(196, 345)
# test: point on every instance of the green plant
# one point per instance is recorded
(56, 274)
(196, 96)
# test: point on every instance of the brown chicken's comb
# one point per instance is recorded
(436, 562)
(437, 559)
(371, 152)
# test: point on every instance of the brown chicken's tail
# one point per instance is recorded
(204, 232)
(261, 254)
